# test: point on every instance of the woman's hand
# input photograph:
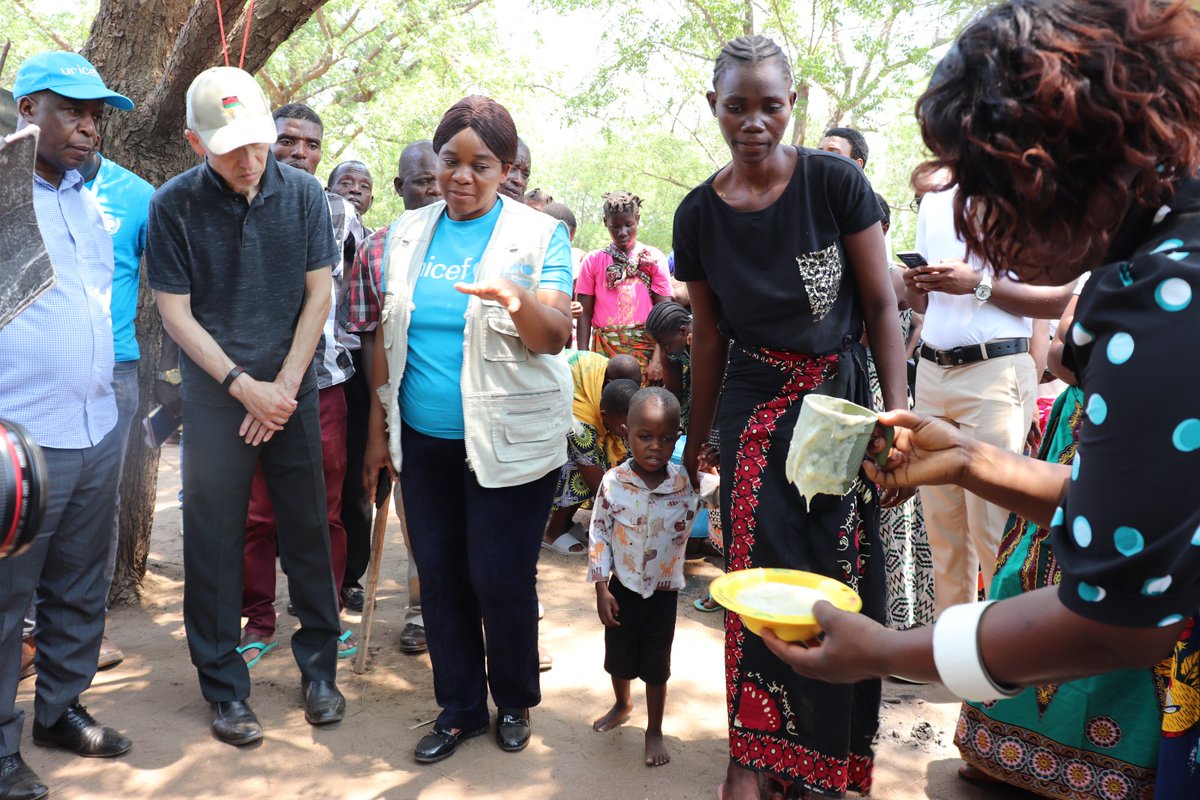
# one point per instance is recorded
(691, 458)
(500, 290)
(927, 452)
(849, 651)
(376, 458)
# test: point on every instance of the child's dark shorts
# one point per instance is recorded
(641, 646)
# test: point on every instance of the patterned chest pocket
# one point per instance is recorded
(822, 275)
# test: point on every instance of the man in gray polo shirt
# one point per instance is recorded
(239, 255)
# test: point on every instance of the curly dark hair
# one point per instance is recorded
(1054, 116)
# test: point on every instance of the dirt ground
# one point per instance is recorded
(153, 697)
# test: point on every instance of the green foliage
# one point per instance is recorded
(659, 168)
(381, 76)
(33, 31)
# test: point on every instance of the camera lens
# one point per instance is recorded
(22, 489)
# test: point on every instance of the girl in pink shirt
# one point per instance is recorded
(618, 285)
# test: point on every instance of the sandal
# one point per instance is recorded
(262, 647)
(563, 544)
(702, 604)
(351, 641)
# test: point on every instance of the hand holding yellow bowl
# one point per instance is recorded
(782, 600)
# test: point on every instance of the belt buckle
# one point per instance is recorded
(944, 358)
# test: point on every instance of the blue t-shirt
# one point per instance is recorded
(125, 202)
(431, 390)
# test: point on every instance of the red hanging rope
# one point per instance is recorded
(221, 24)
(246, 35)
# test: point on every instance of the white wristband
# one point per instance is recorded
(957, 654)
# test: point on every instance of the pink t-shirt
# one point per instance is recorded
(629, 302)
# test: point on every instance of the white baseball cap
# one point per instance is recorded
(227, 109)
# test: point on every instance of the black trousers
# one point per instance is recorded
(357, 512)
(218, 468)
(477, 552)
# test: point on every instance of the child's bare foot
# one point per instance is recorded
(617, 715)
(656, 750)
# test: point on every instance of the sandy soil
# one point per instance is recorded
(153, 697)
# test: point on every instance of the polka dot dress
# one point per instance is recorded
(1128, 533)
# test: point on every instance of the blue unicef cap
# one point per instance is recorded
(68, 74)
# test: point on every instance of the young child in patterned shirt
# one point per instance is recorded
(643, 514)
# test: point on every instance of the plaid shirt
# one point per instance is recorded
(332, 358)
(366, 282)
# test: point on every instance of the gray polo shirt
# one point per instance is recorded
(244, 265)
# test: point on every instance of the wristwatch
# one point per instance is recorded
(171, 376)
(983, 291)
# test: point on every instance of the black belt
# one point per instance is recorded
(970, 353)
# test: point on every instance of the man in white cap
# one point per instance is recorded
(56, 367)
(239, 254)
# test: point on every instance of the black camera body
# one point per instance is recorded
(22, 489)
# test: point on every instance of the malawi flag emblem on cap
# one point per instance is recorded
(230, 103)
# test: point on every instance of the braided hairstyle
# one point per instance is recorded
(666, 318)
(621, 202)
(749, 50)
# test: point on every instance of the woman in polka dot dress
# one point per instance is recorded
(1072, 130)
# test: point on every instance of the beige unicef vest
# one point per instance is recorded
(516, 403)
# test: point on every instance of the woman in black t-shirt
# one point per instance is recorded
(1072, 131)
(782, 251)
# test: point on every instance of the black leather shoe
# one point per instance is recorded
(512, 728)
(352, 598)
(412, 639)
(323, 703)
(18, 781)
(234, 723)
(77, 730)
(442, 743)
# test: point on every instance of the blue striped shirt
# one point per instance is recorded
(56, 357)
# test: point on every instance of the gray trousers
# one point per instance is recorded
(63, 574)
(125, 386)
(218, 467)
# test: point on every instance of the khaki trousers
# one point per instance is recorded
(991, 401)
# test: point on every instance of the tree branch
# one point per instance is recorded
(46, 30)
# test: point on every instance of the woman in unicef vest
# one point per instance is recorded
(476, 397)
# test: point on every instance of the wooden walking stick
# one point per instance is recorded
(383, 491)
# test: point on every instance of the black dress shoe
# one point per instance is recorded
(18, 781)
(412, 639)
(323, 703)
(512, 728)
(77, 730)
(352, 598)
(234, 723)
(442, 743)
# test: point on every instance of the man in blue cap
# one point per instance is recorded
(56, 367)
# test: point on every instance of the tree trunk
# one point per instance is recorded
(800, 113)
(150, 50)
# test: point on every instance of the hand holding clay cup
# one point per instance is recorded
(829, 442)
(928, 451)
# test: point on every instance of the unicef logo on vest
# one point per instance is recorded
(111, 224)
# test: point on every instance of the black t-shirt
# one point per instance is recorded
(780, 273)
(244, 265)
(1128, 534)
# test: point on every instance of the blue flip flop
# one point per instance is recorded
(349, 651)
(699, 605)
(262, 647)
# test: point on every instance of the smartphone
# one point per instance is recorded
(912, 260)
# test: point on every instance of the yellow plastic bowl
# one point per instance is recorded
(728, 589)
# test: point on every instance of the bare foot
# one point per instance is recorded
(740, 784)
(656, 750)
(254, 647)
(617, 715)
